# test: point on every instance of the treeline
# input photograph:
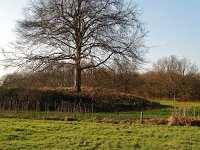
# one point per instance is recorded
(170, 77)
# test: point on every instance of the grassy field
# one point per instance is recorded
(84, 134)
(38, 134)
(181, 104)
(163, 113)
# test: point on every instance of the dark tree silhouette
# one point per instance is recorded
(82, 33)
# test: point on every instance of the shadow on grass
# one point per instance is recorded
(69, 101)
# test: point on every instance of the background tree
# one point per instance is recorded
(117, 76)
(177, 75)
(81, 33)
(125, 75)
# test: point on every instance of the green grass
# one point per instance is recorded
(181, 104)
(163, 113)
(37, 134)
(85, 134)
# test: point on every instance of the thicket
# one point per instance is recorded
(69, 101)
(170, 77)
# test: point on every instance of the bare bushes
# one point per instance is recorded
(69, 101)
(184, 117)
(183, 121)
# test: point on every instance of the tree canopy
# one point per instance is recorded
(82, 33)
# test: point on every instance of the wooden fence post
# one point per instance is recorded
(141, 118)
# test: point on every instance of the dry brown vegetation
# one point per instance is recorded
(170, 78)
(69, 101)
(183, 121)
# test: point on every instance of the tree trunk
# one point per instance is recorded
(78, 39)
(77, 78)
(77, 70)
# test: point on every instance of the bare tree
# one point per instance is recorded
(82, 33)
(172, 64)
(177, 74)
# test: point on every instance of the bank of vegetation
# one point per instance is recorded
(64, 100)
(170, 78)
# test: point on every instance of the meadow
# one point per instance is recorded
(86, 133)
(164, 112)
(38, 134)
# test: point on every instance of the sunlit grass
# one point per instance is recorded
(85, 133)
(181, 104)
(35, 134)
(162, 113)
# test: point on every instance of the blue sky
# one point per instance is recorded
(173, 25)
(10, 11)
(174, 28)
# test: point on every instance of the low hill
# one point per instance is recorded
(69, 101)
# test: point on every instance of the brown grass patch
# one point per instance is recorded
(183, 121)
